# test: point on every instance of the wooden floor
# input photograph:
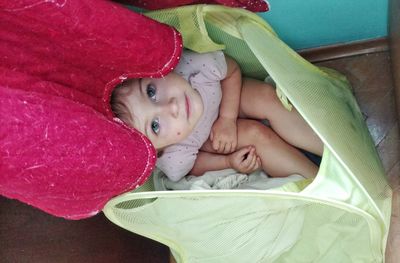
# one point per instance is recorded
(28, 235)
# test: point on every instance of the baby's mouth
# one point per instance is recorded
(187, 104)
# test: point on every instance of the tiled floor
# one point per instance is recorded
(28, 235)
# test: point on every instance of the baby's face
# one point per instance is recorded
(166, 110)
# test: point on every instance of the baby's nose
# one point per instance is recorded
(172, 107)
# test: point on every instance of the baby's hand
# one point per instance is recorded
(245, 160)
(224, 135)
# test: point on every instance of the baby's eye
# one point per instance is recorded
(155, 126)
(151, 91)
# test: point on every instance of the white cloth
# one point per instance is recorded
(223, 179)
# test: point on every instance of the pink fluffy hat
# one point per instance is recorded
(61, 150)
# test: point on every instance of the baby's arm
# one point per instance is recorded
(244, 160)
(223, 133)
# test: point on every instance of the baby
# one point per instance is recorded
(204, 117)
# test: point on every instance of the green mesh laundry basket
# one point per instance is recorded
(341, 216)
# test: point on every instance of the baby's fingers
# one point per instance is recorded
(255, 165)
(222, 146)
(228, 148)
(241, 154)
(251, 159)
(248, 156)
(216, 144)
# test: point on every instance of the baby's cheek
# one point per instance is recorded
(180, 135)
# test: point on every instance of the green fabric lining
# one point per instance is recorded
(341, 216)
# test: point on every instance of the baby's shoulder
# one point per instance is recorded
(208, 57)
(211, 64)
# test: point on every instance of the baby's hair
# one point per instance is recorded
(117, 102)
(118, 105)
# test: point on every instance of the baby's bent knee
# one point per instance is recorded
(256, 133)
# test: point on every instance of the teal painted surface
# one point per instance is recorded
(312, 23)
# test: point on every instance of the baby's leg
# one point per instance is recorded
(259, 101)
(278, 158)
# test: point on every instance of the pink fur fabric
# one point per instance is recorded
(61, 150)
(251, 5)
